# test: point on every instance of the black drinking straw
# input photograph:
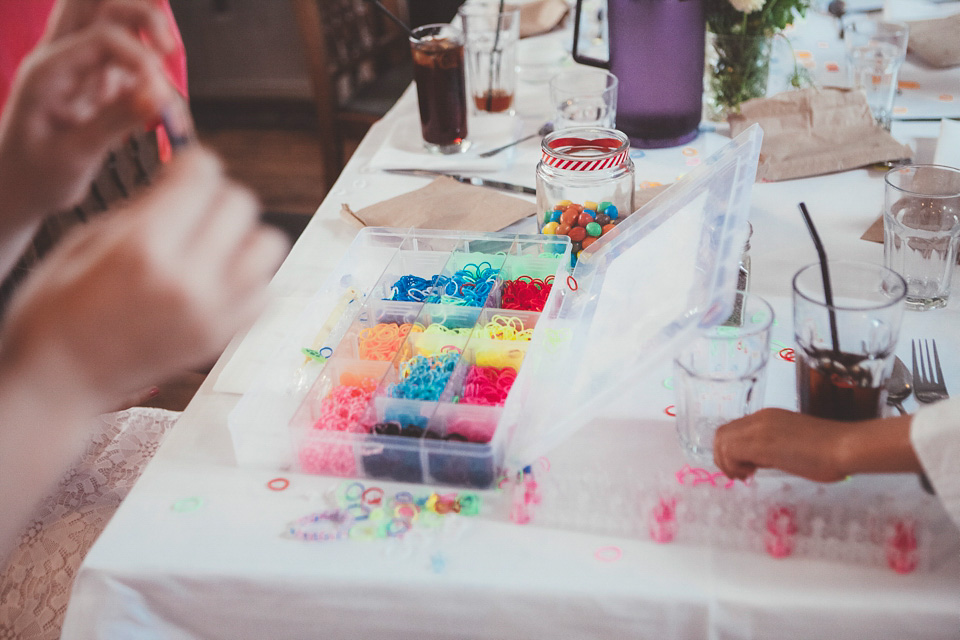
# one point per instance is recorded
(396, 20)
(825, 274)
(496, 42)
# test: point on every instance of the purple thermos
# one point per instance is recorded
(656, 51)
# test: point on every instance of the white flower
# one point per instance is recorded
(747, 6)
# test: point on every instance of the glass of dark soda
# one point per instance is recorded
(845, 350)
(438, 69)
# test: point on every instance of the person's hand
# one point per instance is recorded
(145, 292)
(73, 100)
(779, 439)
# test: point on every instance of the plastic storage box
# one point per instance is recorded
(422, 375)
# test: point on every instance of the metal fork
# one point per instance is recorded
(928, 383)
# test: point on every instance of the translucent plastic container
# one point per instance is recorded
(440, 385)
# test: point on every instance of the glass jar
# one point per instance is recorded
(584, 184)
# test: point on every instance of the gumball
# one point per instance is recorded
(573, 210)
(578, 207)
(550, 228)
(589, 204)
(594, 229)
(602, 207)
(563, 229)
(607, 228)
(584, 219)
(576, 247)
(546, 216)
(603, 219)
(577, 234)
(568, 218)
(563, 204)
(612, 212)
(592, 212)
(555, 216)
(588, 241)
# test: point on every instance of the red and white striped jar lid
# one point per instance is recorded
(585, 149)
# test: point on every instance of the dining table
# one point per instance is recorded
(201, 547)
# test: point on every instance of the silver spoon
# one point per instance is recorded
(899, 385)
(544, 130)
(899, 388)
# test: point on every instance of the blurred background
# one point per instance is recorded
(286, 89)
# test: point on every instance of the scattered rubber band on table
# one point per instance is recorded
(278, 484)
(376, 496)
(525, 293)
(187, 505)
(608, 554)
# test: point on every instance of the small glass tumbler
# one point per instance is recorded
(721, 376)
(584, 98)
(875, 51)
(921, 230)
(438, 69)
(845, 350)
(491, 47)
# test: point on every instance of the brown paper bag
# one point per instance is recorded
(811, 132)
(935, 42)
(444, 204)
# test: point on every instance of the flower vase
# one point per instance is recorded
(737, 69)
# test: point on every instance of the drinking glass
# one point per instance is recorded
(441, 91)
(841, 374)
(875, 51)
(491, 47)
(584, 98)
(921, 230)
(721, 376)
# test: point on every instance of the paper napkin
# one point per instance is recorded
(404, 148)
(810, 132)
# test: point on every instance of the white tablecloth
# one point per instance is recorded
(224, 569)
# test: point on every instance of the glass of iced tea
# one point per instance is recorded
(438, 69)
(843, 366)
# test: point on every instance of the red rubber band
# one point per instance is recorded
(375, 500)
(572, 283)
(278, 484)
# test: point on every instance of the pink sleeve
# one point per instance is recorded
(22, 23)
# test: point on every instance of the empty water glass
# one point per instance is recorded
(584, 98)
(921, 230)
(721, 376)
(875, 51)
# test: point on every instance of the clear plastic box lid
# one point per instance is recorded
(634, 296)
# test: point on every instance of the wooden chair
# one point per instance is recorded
(359, 64)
